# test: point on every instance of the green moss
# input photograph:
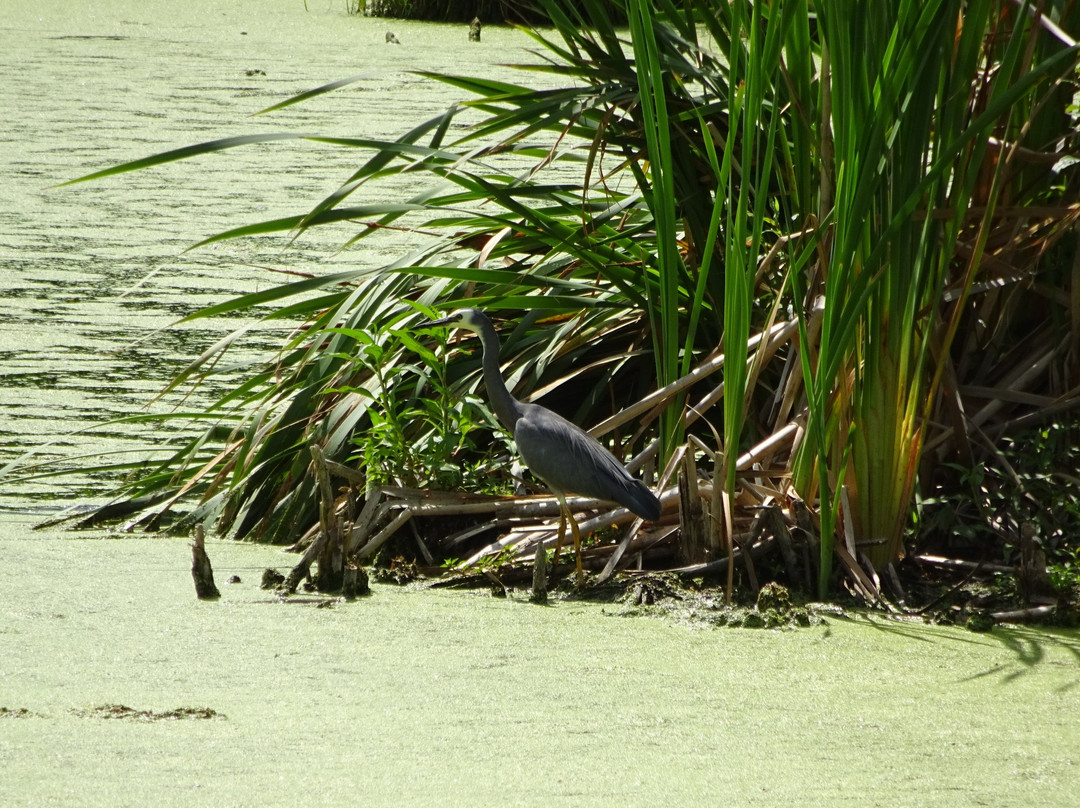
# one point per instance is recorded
(980, 622)
(434, 697)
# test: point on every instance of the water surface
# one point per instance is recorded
(405, 698)
(91, 274)
(444, 698)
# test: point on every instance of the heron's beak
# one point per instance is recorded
(436, 323)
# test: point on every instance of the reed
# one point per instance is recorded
(802, 222)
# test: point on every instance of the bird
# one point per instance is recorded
(564, 456)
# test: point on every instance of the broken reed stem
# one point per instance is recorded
(773, 337)
(960, 564)
(1023, 615)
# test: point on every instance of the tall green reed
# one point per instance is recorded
(733, 163)
(909, 135)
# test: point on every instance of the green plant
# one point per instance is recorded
(851, 204)
(1064, 570)
(419, 433)
(1029, 477)
(912, 209)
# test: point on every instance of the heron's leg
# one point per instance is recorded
(563, 513)
(562, 535)
(577, 550)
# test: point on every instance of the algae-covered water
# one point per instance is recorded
(438, 698)
(91, 275)
(119, 688)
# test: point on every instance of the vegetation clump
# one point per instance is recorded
(271, 579)
(980, 622)
(782, 278)
(123, 712)
(664, 595)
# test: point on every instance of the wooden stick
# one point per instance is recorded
(1022, 615)
(721, 565)
(539, 588)
(960, 564)
(380, 538)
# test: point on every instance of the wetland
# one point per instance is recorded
(118, 687)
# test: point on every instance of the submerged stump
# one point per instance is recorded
(354, 582)
(540, 577)
(201, 571)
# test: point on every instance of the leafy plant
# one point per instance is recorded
(828, 223)
(1028, 478)
(417, 428)
(1064, 570)
(912, 201)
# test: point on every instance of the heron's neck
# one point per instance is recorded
(505, 405)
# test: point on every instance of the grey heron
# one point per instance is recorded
(565, 457)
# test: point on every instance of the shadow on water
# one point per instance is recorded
(1028, 647)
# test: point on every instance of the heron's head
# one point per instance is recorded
(471, 319)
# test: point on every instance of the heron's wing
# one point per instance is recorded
(571, 461)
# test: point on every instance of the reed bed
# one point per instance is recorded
(798, 261)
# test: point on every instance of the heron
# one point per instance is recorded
(563, 455)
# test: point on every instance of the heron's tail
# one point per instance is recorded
(642, 501)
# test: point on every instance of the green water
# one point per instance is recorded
(403, 698)
(91, 274)
(438, 698)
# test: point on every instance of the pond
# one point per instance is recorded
(123, 689)
(91, 274)
(118, 688)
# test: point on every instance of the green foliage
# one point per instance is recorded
(1037, 480)
(420, 435)
(860, 173)
(1030, 478)
(910, 208)
(1064, 570)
